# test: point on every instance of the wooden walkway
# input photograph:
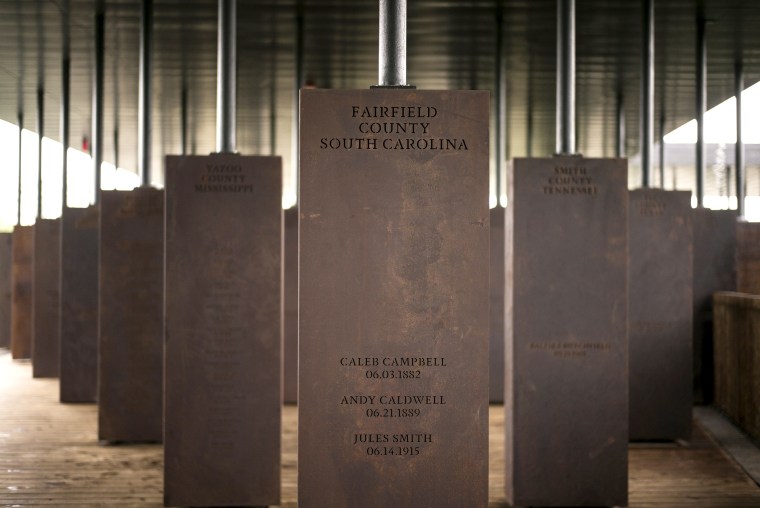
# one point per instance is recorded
(49, 456)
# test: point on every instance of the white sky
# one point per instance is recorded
(720, 122)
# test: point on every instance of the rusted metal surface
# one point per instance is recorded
(566, 390)
(46, 332)
(496, 310)
(748, 257)
(130, 346)
(290, 307)
(393, 303)
(6, 240)
(714, 270)
(21, 283)
(737, 359)
(223, 373)
(660, 314)
(79, 304)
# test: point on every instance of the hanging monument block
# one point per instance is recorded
(496, 311)
(21, 283)
(46, 308)
(393, 298)
(566, 388)
(660, 314)
(131, 347)
(6, 240)
(223, 330)
(290, 307)
(748, 257)
(79, 304)
(714, 270)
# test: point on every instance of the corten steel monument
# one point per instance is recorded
(393, 293)
(660, 314)
(566, 316)
(223, 335)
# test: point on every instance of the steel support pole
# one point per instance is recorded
(20, 156)
(298, 84)
(273, 116)
(662, 147)
(741, 170)
(501, 110)
(97, 96)
(701, 106)
(392, 47)
(620, 126)
(116, 146)
(226, 77)
(273, 89)
(40, 133)
(65, 110)
(273, 102)
(565, 76)
(647, 91)
(144, 124)
(183, 119)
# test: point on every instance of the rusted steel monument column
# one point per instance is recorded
(223, 342)
(131, 282)
(566, 389)
(660, 312)
(79, 258)
(6, 241)
(46, 284)
(394, 296)
(660, 285)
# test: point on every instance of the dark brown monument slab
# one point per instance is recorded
(714, 270)
(46, 305)
(290, 308)
(79, 304)
(131, 307)
(393, 304)
(660, 314)
(223, 376)
(496, 310)
(566, 390)
(748, 257)
(6, 240)
(21, 282)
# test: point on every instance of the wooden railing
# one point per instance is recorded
(737, 358)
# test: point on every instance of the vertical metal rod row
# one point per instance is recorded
(226, 77)
(20, 145)
(144, 122)
(741, 170)
(392, 47)
(40, 133)
(620, 126)
(662, 147)
(647, 91)
(97, 96)
(183, 119)
(501, 109)
(701, 106)
(565, 76)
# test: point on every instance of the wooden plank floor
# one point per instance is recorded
(49, 456)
